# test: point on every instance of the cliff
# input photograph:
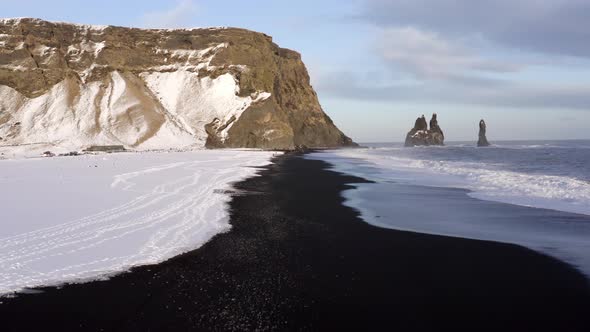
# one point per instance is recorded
(78, 85)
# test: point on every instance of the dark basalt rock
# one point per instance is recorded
(420, 123)
(421, 135)
(483, 141)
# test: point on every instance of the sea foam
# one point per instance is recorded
(426, 190)
(508, 181)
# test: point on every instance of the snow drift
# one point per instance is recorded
(94, 215)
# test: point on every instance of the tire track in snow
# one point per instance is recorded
(176, 209)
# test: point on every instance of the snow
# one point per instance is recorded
(15, 68)
(189, 29)
(160, 108)
(42, 50)
(69, 219)
(92, 47)
(87, 27)
(262, 96)
(73, 49)
(194, 60)
(241, 68)
(183, 53)
(15, 20)
(84, 74)
(153, 111)
(74, 116)
(420, 133)
(18, 20)
(86, 46)
(268, 133)
(199, 100)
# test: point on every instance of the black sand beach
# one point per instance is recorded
(297, 259)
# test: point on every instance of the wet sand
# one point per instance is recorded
(297, 258)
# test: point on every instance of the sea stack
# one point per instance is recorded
(483, 141)
(421, 135)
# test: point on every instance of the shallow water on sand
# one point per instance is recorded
(471, 193)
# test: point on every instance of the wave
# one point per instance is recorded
(488, 181)
(513, 145)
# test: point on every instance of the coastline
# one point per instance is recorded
(453, 212)
(297, 258)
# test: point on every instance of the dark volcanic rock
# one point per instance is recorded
(420, 123)
(483, 141)
(421, 135)
(434, 127)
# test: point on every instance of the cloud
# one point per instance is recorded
(544, 26)
(348, 85)
(428, 55)
(177, 17)
(451, 50)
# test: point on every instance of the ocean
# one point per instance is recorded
(530, 193)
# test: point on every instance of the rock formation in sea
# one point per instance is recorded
(79, 85)
(483, 141)
(421, 135)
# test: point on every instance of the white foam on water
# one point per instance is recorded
(562, 193)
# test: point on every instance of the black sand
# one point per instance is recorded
(296, 258)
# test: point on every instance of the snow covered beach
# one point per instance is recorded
(76, 218)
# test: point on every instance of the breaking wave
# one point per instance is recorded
(553, 176)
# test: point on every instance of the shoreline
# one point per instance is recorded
(297, 258)
(497, 222)
(465, 168)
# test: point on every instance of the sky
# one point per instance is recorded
(522, 65)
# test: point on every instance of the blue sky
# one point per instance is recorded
(523, 65)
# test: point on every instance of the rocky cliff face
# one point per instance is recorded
(421, 135)
(76, 85)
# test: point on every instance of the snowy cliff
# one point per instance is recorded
(71, 86)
